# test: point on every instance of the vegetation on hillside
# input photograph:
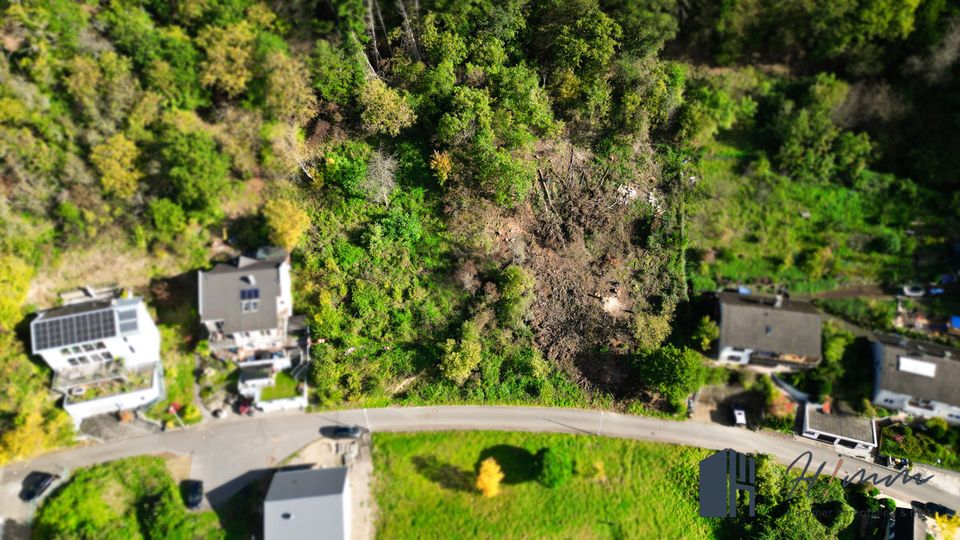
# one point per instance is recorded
(485, 201)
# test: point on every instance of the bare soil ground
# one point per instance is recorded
(577, 237)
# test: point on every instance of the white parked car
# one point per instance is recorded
(913, 291)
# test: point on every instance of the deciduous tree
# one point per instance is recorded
(115, 160)
(384, 110)
(286, 222)
(489, 477)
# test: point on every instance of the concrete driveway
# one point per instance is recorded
(228, 454)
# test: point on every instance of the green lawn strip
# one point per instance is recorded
(424, 488)
(284, 386)
(125, 499)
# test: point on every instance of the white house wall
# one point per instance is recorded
(901, 402)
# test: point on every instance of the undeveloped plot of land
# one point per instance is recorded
(578, 237)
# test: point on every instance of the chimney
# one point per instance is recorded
(778, 301)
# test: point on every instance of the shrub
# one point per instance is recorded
(556, 467)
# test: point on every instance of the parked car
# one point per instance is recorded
(739, 414)
(935, 291)
(913, 291)
(346, 432)
(36, 484)
(192, 493)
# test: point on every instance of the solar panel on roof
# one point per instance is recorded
(249, 294)
(74, 329)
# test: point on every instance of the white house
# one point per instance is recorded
(105, 354)
(245, 305)
(919, 378)
(849, 434)
(307, 504)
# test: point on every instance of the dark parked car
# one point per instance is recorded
(36, 484)
(193, 493)
(346, 432)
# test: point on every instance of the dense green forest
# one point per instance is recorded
(503, 201)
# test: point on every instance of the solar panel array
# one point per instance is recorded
(249, 294)
(74, 329)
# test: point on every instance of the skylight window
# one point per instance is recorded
(917, 367)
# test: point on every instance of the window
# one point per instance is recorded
(72, 361)
(76, 349)
(107, 356)
(83, 360)
(132, 349)
(94, 357)
(249, 306)
(64, 351)
(101, 345)
(888, 400)
(88, 347)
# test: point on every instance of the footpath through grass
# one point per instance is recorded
(621, 489)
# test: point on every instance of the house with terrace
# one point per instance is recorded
(104, 350)
(919, 378)
(246, 313)
(775, 331)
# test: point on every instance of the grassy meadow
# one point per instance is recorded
(424, 488)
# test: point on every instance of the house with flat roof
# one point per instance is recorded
(308, 504)
(104, 351)
(850, 434)
(773, 331)
(919, 378)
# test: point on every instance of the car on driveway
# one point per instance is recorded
(36, 484)
(739, 414)
(913, 291)
(192, 493)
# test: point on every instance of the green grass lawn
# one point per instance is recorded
(284, 386)
(621, 489)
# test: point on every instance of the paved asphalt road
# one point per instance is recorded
(229, 453)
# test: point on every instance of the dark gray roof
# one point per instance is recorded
(847, 426)
(752, 322)
(305, 504)
(943, 387)
(220, 290)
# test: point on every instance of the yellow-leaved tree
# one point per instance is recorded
(949, 526)
(15, 278)
(116, 161)
(489, 478)
(286, 222)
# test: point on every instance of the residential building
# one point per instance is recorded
(308, 504)
(850, 434)
(246, 305)
(919, 378)
(104, 351)
(773, 331)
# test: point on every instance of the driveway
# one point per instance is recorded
(228, 454)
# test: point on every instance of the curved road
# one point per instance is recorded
(229, 453)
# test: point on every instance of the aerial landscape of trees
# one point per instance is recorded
(507, 202)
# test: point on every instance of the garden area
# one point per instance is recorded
(932, 441)
(284, 386)
(127, 499)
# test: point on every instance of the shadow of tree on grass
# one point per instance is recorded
(447, 475)
(518, 464)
